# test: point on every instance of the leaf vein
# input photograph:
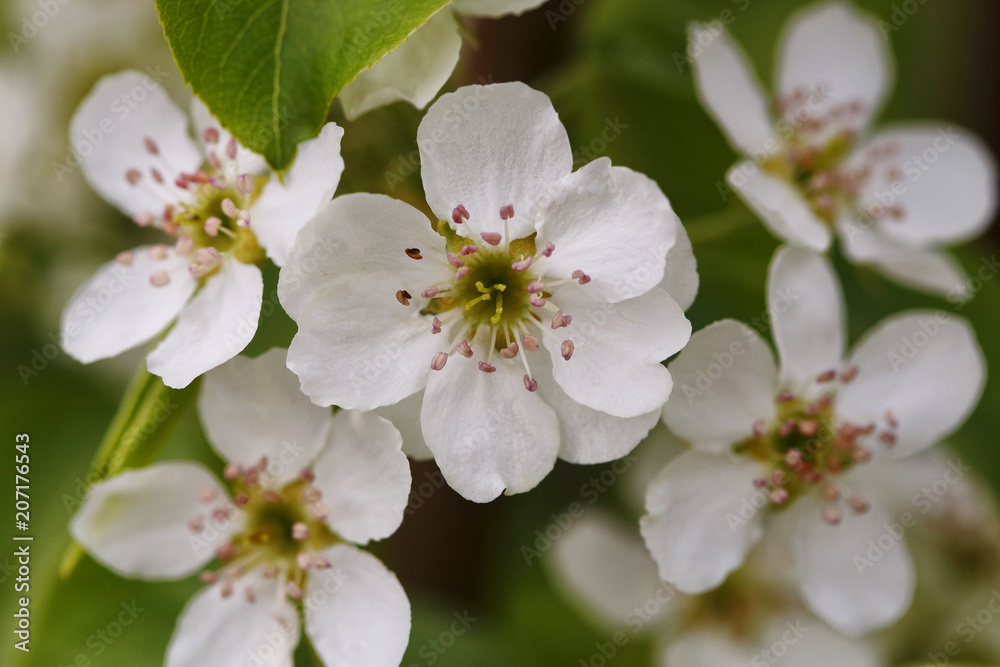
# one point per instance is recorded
(275, 120)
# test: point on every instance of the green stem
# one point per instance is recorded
(139, 428)
(134, 391)
(317, 661)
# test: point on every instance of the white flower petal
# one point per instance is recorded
(356, 611)
(289, 201)
(487, 147)
(856, 576)
(586, 435)
(364, 477)
(405, 416)
(602, 563)
(495, 8)
(929, 270)
(118, 308)
(725, 380)
(252, 408)
(680, 274)
(219, 322)
(613, 223)
(246, 162)
(616, 366)
(780, 206)
(356, 241)
(362, 350)
(357, 346)
(806, 306)
(414, 72)
(136, 523)
(730, 92)
(947, 185)
(809, 643)
(108, 132)
(833, 46)
(924, 367)
(647, 460)
(707, 648)
(488, 433)
(935, 272)
(703, 518)
(232, 631)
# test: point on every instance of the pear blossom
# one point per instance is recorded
(419, 67)
(754, 619)
(307, 487)
(811, 444)
(813, 163)
(528, 324)
(219, 206)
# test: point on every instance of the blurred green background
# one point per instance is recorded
(604, 62)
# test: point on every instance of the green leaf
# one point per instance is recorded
(269, 69)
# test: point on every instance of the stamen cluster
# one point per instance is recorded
(206, 210)
(283, 529)
(497, 296)
(809, 447)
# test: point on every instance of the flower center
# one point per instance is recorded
(283, 529)
(206, 210)
(492, 293)
(213, 219)
(496, 298)
(808, 448)
(817, 146)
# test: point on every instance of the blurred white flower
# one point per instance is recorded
(219, 202)
(17, 120)
(528, 255)
(894, 196)
(416, 70)
(62, 50)
(307, 486)
(752, 620)
(790, 444)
